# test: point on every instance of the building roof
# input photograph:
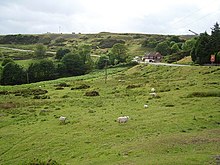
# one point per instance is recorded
(153, 54)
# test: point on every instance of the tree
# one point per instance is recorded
(84, 51)
(13, 74)
(202, 50)
(74, 64)
(45, 39)
(176, 39)
(217, 58)
(150, 42)
(61, 52)
(59, 40)
(189, 44)
(103, 60)
(163, 48)
(215, 38)
(40, 51)
(41, 70)
(7, 60)
(175, 48)
(206, 45)
(118, 53)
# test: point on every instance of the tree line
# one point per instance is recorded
(67, 62)
(207, 45)
(200, 47)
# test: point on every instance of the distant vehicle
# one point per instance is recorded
(149, 60)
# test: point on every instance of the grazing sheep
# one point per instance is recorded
(121, 80)
(152, 89)
(62, 119)
(145, 106)
(123, 119)
(153, 94)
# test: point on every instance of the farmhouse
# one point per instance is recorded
(152, 57)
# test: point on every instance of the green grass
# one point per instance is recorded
(186, 60)
(175, 129)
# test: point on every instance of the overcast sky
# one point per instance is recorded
(93, 16)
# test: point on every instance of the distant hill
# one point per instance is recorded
(100, 42)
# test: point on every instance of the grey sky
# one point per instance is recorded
(93, 16)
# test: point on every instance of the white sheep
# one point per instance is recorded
(152, 89)
(62, 119)
(153, 94)
(145, 106)
(121, 80)
(123, 119)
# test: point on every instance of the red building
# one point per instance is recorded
(152, 57)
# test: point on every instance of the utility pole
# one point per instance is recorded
(106, 74)
(27, 78)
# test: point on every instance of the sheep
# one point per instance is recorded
(123, 119)
(152, 89)
(145, 106)
(62, 119)
(153, 94)
(121, 80)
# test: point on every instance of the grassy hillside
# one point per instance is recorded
(100, 42)
(180, 126)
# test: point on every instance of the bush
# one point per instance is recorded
(19, 39)
(41, 70)
(62, 85)
(59, 88)
(13, 74)
(83, 86)
(133, 86)
(6, 60)
(205, 94)
(108, 43)
(92, 93)
(176, 56)
(103, 61)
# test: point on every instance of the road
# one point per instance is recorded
(23, 50)
(166, 64)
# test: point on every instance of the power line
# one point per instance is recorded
(192, 13)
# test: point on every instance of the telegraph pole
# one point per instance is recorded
(106, 74)
(27, 78)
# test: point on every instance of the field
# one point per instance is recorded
(180, 126)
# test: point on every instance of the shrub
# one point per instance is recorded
(133, 86)
(6, 60)
(59, 88)
(176, 56)
(205, 94)
(83, 86)
(92, 93)
(13, 74)
(62, 85)
(4, 92)
(41, 97)
(108, 43)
